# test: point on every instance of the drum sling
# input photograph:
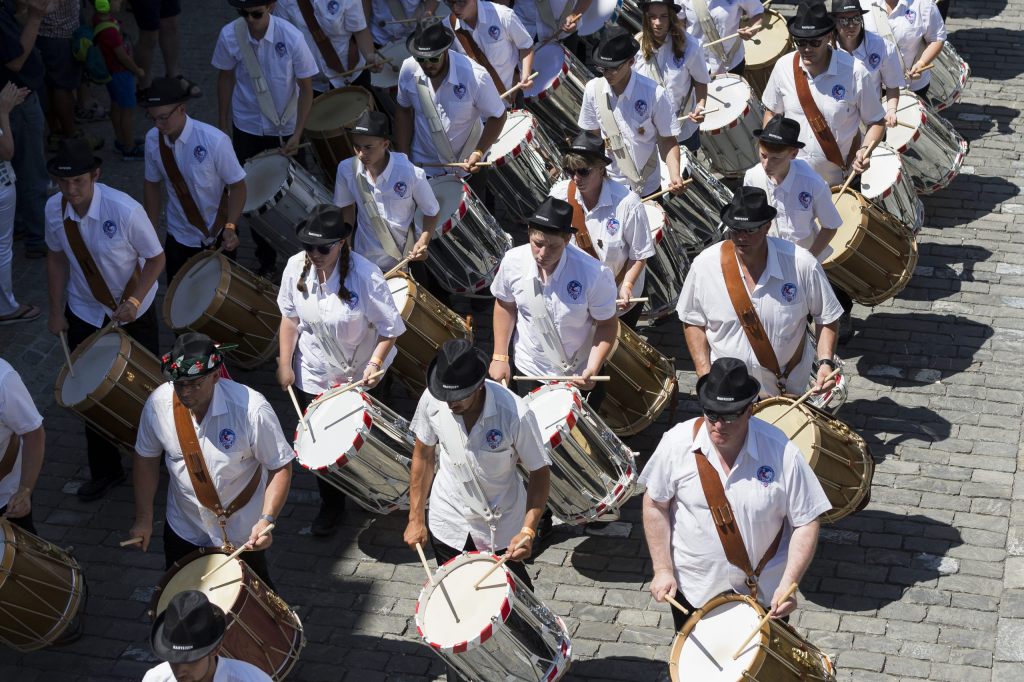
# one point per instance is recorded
(93, 277)
(546, 15)
(617, 145)
(438, 134)
(884, 29)
(476, 53)
(259, 80)
(451, 437)
(579, 221)
(308, 307)
(725, 522)
(10, 456)
(199, 475)
(323, 42)
(377, 223)
(751, 323)
(711, 34)
(181, 190)
(819, 126)
(554, 352)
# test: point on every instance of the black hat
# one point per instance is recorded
(780, 130)
(844, 6)
(324, 225)
(372, 123)
(429, 41)
(617, 46)
(749, 209)
(163, 91)
(644, 4)
(193, 355)
(811, 20)
(728, 388)
(74, 158)
(188, 629)
(248, 4)
(553, 215)
(589, 144)
(456, 371)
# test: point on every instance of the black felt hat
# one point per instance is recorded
(749, 209)
(811, 21)
(617, 47)
(728, 388)
(248, 4)
(591, 145)
(324, 225)
(780, 130)
(372, 123)
(163, 91)
(553, 215)
(74, 158)
(845, 6)
(676, 9)
(429, 41)
(189, 629)
(456, 371)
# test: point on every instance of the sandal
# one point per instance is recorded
(24, 313)
(188, 86)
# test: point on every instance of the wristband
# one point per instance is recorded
(499, 357)
(528, 531)
(375, 360)
(816, 365)
(134, 301)
(266, 517)
(230, 226)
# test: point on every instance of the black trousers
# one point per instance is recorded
(176, 548)
(177, 254)
(330, 497)
(739, 68)
(923, 92)
(631, 318)
(104, 457)
(24, 522)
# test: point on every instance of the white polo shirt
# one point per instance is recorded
(726, 14)
(18, 416)
(397, 192)
(466, 94)
(228, 670)
(527, 12)
(208, 164)
(500, 34)
(792, 286)
(355, 324)
(618, 227)
(504, 434)
(677, 75)
(118, 234)
(380, 11)
(769, 486)
(846, 96)
(879, 57)
(580, 293)
(643, 112)
(800, 198)
(239, 434)
(338, 19)
(284, 58)
(915, 24)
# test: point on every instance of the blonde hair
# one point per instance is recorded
(676, 33)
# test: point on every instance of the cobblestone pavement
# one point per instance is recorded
(926, 583)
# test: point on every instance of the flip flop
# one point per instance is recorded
(191, 88)
(24, 313)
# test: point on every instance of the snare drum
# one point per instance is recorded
(525, 165)
(727, 133)
(556, 95)
(838, 456)
(630, 16)
(949, 78)
(428, 324)
(261, 628)
(761, 52)
(599, 13)
(385, 81)
(593, 473)
(932, 151)
(666, 269)
(643, 382)
(500, 631)
(703, 650)
(114, 376)
(327, 123)
(41, 589)
(468, 245)
(279, 194)
(873, 253)
(694, 213)
(886, 185)
(215, 296)
(358, 445)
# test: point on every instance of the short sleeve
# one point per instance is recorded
(488, 101)
(934, 26)
(381, 312)
(657, 475)
(17, 410)
(806, 500)
(529, 445)
(302, 58)
(286, 293)
(147, 440)
(406, 84)
(752, 8)
(588, 119)
(772, 96)
(268, 441)
(143, 236)
(869, 103)
(688, 308)
(601, 301)
(228, 167)
(517, 33)
(665, 119)
(54, 224)
(423, 194)
(697, 62)
(154, 169)
(822, 303)
(355, 18)
(222, 57)
(824, 210)
(421, 426)
(343, 196)
(501, 286)
(641, 246)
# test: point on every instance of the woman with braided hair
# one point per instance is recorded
(338, 324)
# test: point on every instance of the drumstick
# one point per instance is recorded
(720, 101)
(298, 411)
(457, 164)
(765, 4)
(567, 377)
(234, 555)
(349, 386)
(426, 566)
(632, 300)
(366, 65)
(654, 196)
(789, 593)
(722, 40)
(519, 86)
(399, 21)
(67, 351)
(671, 600)
(557, 35)
(500, 562)
(708, 111)
(398, 266)
(912, 126)
(922, 69)
(853, 174)
(132, 541)
(800, 401)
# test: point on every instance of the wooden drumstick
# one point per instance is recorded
(654, 196)
(518, 86)
(234, 555)
(722, 40)
(366, 65)
(298, 411)
(682, 609)
(67, 352)
(789, 593)
(553, 377)
(456, 164)
(642, 299)
(922, 69)
(398, 266)
(426, 566)
(132, 541)
(349, 386)
(558, 34)
(800, 401)
(853, 174)
(500, 562)
(400, 21)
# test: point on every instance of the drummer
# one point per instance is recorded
(918, 31)
(878, 55)
(770, 489)
(386, 232)
(93, 228)
(493, 36)
(610, 221)
(675, 63)
(634, 114)
(840, 91)
(552, 19)
(389, 20)
(206, 186)
(230, 477)
(734, 20)
(338, 325)
(22, 440)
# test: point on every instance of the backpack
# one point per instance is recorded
(88, 53)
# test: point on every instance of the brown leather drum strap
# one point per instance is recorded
(10, 456)
(579, 221)
(815, 119)
(93, 277)
(475, 53)
(177, 180)
(323, 43)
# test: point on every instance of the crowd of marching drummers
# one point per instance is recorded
(707, 159)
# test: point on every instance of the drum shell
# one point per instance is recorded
(732, 148)
(764, 49)
(332, 143)
(643, 382)
(524, 176)
(557, 103)
(949, 78)
(385, 82)
(30, 622)
(898, 198)
(666, 272)
(243, 311)
(934, 152)
(114, 408)
(694, 214)
(298, 193)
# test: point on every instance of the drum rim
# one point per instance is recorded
(359, 438)
(695, 616)
(93, 397)
(554, 83)
(527, 139)
(574, 409)
(738, 118)
(165, 579)
(787, 45)
(413, 287)
(179, 277)
(342, 126)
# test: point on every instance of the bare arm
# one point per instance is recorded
(287, 337)
(384, 346)
(420, 478)
(826, 348)
(33, 444)
(537, 489)
(279, 482)
(145, 479)
(604, 338)
(823, 239)
(668, 146)
(492, 129)
(700, 351)
(526, 59)
(151, 200)
(225, 88)
(348, 214)
(403, 129)
(236, 201)
(127, 311)
(658, 532)
(301, 114)
(892, 103)
(57, 271)
(801, 551)
(503, 323)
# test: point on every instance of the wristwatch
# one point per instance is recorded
(816, 365)
(266, 517)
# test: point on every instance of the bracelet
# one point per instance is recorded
(376, 360)
(230, 226)
(134, 301)
(816, 365)
(628, 283)
(529, 531)
(498, 357)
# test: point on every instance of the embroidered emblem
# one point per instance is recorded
(874, 59)
(493, 437)
(766, 475)
(838, 92)
(227, 438)
(641, 107)
(353, 301)
(789, 292)
(575, 289)
(281, 49)
(200, 153)
(109, 229)
(333, 6)
(678, 61)
(401, 188)
(612, 226)
(494, 32)
(460, 90)
(911, 15)
(805, 199)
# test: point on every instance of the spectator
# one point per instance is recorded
(10, 312)
(123, 70)
(158, 22)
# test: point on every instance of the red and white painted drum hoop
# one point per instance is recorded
(932, 151)
(556, 95)
(727, 133)
(526, 165)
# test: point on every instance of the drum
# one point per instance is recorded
(593, 473)
(887, 186)
(838, 456)
(215, 296)
(526, 164)
(499, 631)
(358, 445)
(599, 13)
(113, 377)
(329, 118)
(727, 133)
(279, 195)
(873, 253)
(703, 650)
(643, 382)
(41, 589)
(261, 628)
(630, 16)
(428, 324)
(949, 78)
(556, 95)
(694, 214)
(932, 151)
(666, 269)
(468, 244)
(761, 52)
(385, 81)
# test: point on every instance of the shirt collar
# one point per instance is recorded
(490, 402)
(703, 443)
(268, 36)
(774, 266)
(558, 268)
(94, 207)
(218, 403)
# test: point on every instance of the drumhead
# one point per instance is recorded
(336, 422)
(475, 607)
(909, 116)
(399, 291)
(849, 208)
(388, 76)
(195, 291)
(547, 62)
(449, 191)
(551, 405)
(517, 126)
(770, 43)
(221, 588)
(91, 367)
(264, 176)
(593, 19)
(883, 172)
(657, 219)
(707, 652)
(794, 424)
(734, 93)
(337, 108)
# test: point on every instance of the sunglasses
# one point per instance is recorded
(603, 70)
(809, 42)
(430, 60)
(850, 21)
(715, 417)
(252, 14)
(322, 249)
(578, 172)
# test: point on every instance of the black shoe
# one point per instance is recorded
(845, 328)
(98, 487)
(326, 522)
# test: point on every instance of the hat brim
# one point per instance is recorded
(303, 236)
(553, 229)
(725, 214)
(164, 650)
(162, 101)
(52, 167)
(599, 156)
(675, 8)
(449, 395)
(759, 134)
(835, 13)
(798, 32)
(246, 4)
(426, 54)
(709, 404)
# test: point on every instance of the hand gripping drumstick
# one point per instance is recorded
(67, 352)
(556, 377)
(398, 266)
(789, 593)
(349, 386)
(652, 197)
(722, 40)
(557, 36)
(519, 86)
(426, 566)
(500, 562)
(365, 66)
(642, 299)
(800, 401)
(682, 609)
(234, 555)
(298, 411)
(132, 541)
(853, 174)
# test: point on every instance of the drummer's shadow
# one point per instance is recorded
(987, 51)
(976, 121)
(968, 198)
(615, 668)
(884, 424)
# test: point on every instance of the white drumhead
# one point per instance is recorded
(337, 108)
(449, 191)
(547, 62)
(882, 173)
(908, 112)
(734, 93)
(195, 291)
(388, 76)
(551, 405)
(91, 367)
(656, 218)
(399, 291)
(263, 177)
(517, 125)
(593, 19)
(221, 588)
(475, 607)
(707, 652)
(334, 420)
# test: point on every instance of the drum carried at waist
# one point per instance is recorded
(761, 52)
(887, 185)
(279, 195)
(643, 383)
(949, 78)
(525, 165)
(727, 133)
(694, 213)
(328, 121)
(556, 95)
(931, 150)
(666, 269)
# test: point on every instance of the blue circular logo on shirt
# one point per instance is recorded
(199, 152)
(353, 299)
(911, 15)
(874, 59)
(494, 438)
(678, 61)
(838, 92)
(226, 438)
(612, 226)
(281, 49)
(400, 189)
(574, 289)
(460, 90)
(333, 6)
(805, 199)
(494, 32)
(766, 475)
(109, 228)
(789, 292)
(641, 107)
